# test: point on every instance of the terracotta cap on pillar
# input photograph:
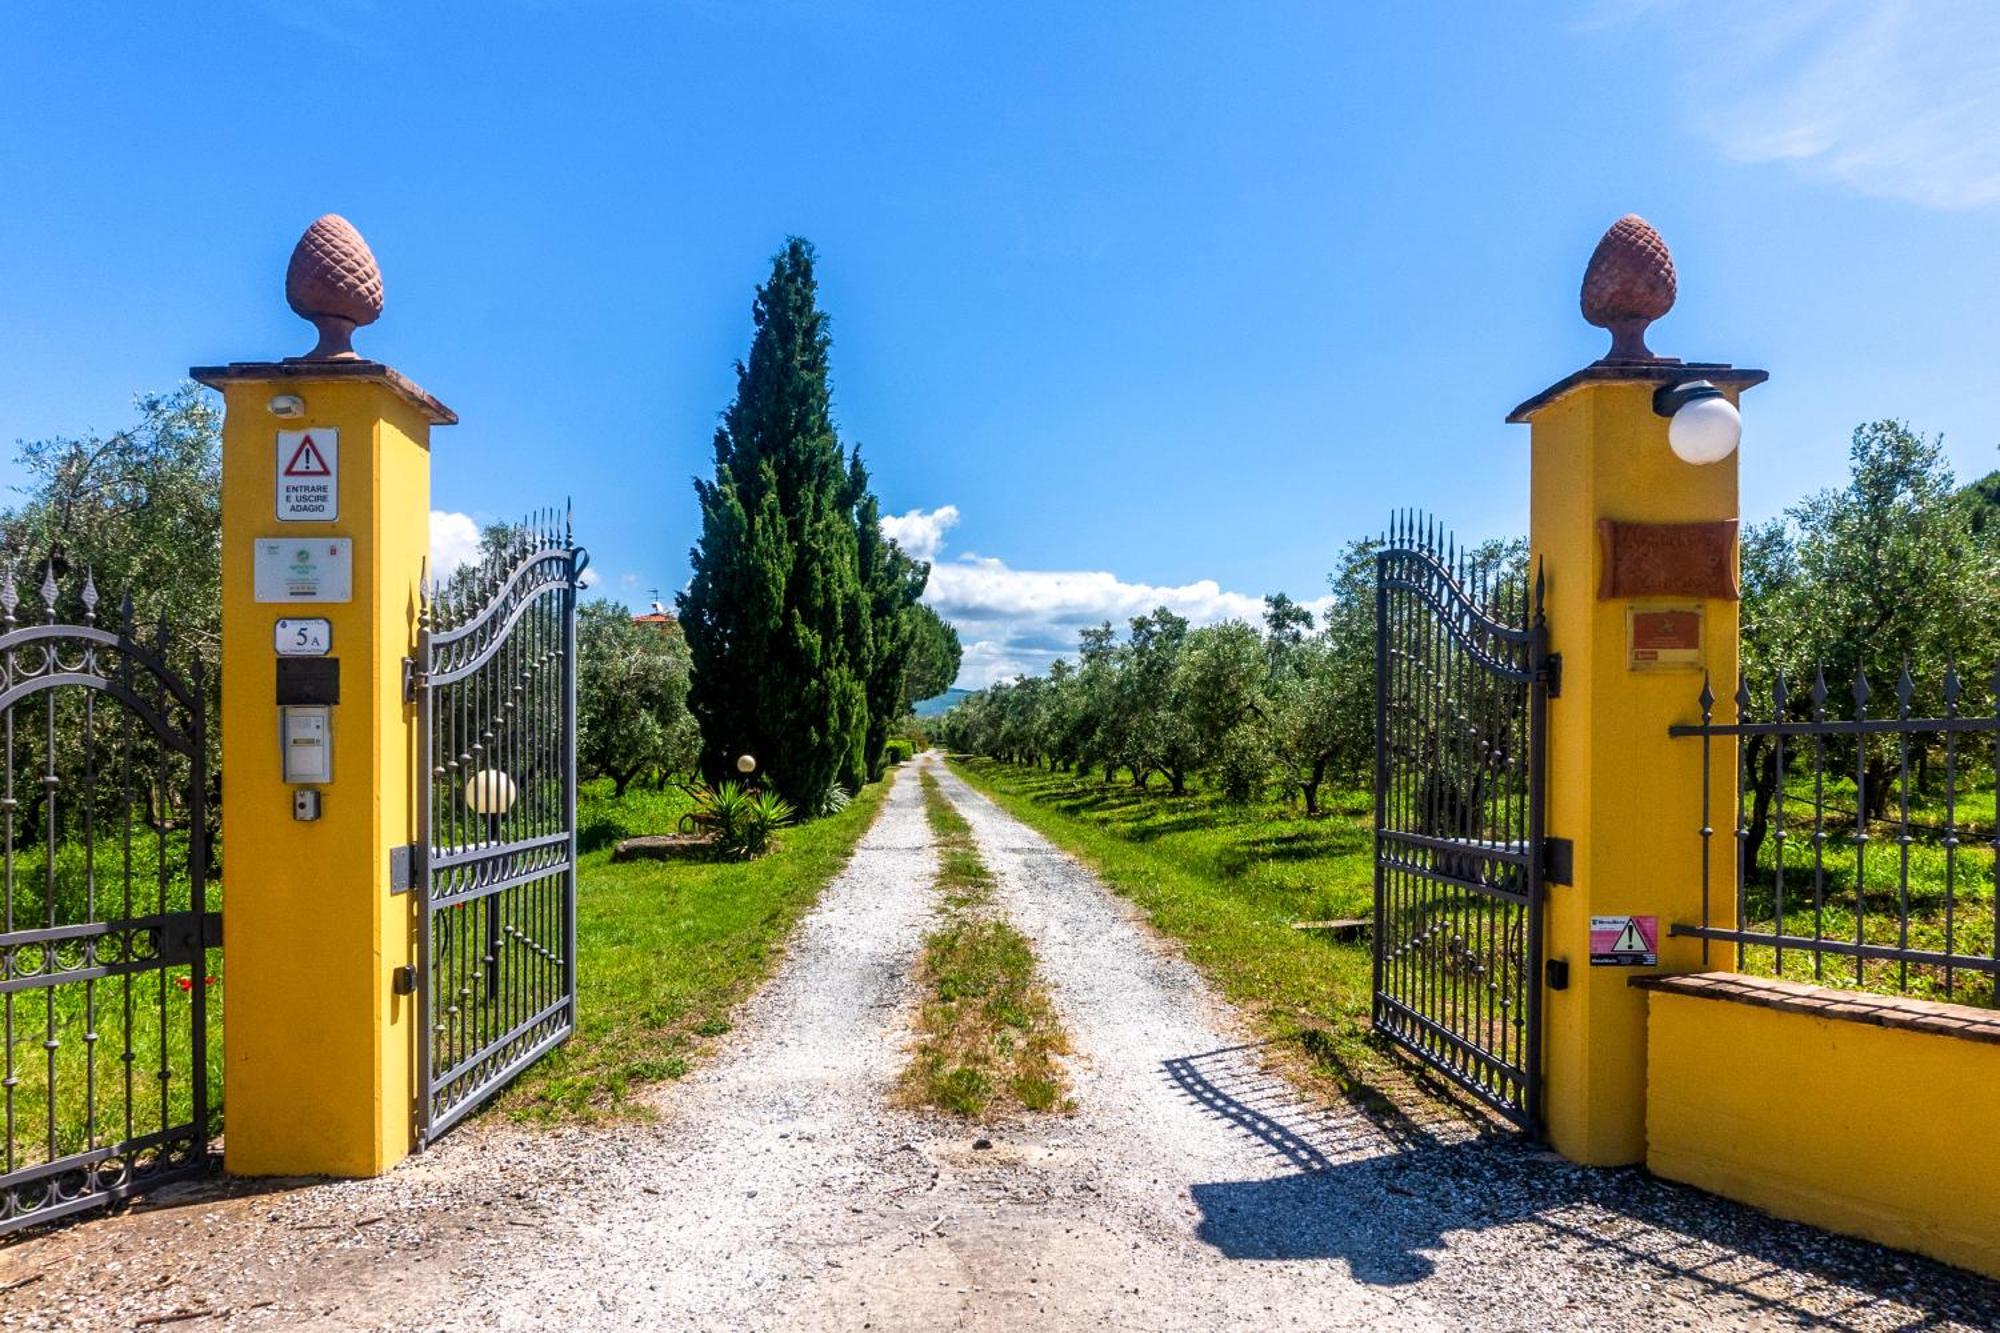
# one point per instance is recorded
(1630, 282)
(334, 282)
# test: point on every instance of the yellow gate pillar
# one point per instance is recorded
(1638, 547)
(325, 528)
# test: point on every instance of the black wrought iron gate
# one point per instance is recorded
(1462, 676)
(110, 947)
(495, 677)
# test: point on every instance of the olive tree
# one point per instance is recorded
(632, 688)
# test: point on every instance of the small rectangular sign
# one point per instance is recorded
(309, 475)
(303, 636)
(304, 569)
(1663, 636)
(1624, 941)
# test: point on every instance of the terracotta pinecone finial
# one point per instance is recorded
(333, 281)
(1629, 284)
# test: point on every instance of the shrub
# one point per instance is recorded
(743, 820)
(897, 749)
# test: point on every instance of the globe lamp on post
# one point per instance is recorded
(1703, 426)
(490, 794)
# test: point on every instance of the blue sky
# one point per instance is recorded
(1131, 301)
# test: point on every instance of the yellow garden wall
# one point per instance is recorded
(1870, 1115)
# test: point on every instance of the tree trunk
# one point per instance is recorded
(1763, 769)
(1310, 787)
(1176, 782)
(1879, 787)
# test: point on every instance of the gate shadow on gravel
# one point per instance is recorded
(1380, 1189)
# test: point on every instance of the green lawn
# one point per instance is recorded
(1229, 881)
(665, 950)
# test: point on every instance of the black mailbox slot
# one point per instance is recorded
(308, 680)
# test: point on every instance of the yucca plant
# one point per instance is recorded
(831, 801)
(723, 809)
(766, 812)
(741, 820)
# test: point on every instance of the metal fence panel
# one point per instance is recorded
(1865, 838)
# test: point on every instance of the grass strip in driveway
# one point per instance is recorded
(1229, 881)
(988, 1034)
(666, 949)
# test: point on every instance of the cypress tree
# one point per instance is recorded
(893, 583)
(776, 616)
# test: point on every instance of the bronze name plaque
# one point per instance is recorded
(1668, 559)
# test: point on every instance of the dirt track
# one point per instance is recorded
(779, 1189)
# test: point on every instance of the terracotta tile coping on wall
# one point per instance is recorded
(1889, 1011)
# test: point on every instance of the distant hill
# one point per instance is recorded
(940, 703)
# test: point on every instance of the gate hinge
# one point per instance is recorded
(1558, 861)
(413, 680)
(404, 980)
(177, 944)
(403, 867)
(1550, 675)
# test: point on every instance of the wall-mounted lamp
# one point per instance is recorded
(1703, 426)
(287, 405)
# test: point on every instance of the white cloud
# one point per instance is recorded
(1016, 621)
(1890, 98)
(921, 531)
(454, 542)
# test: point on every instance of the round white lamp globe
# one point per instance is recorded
(746, 764)
(490, 792)
(1705, 430)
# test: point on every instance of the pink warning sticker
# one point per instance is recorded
(1624, 941)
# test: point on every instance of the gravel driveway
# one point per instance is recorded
(1191, 1189)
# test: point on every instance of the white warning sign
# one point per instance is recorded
(309, 475)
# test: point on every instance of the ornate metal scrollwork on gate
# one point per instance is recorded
(495, 676)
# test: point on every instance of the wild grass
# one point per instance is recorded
(1229, 881)
(666, 950)
(1818, 881)
(988, 1035)
(69, 1086)
(93, 1062)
